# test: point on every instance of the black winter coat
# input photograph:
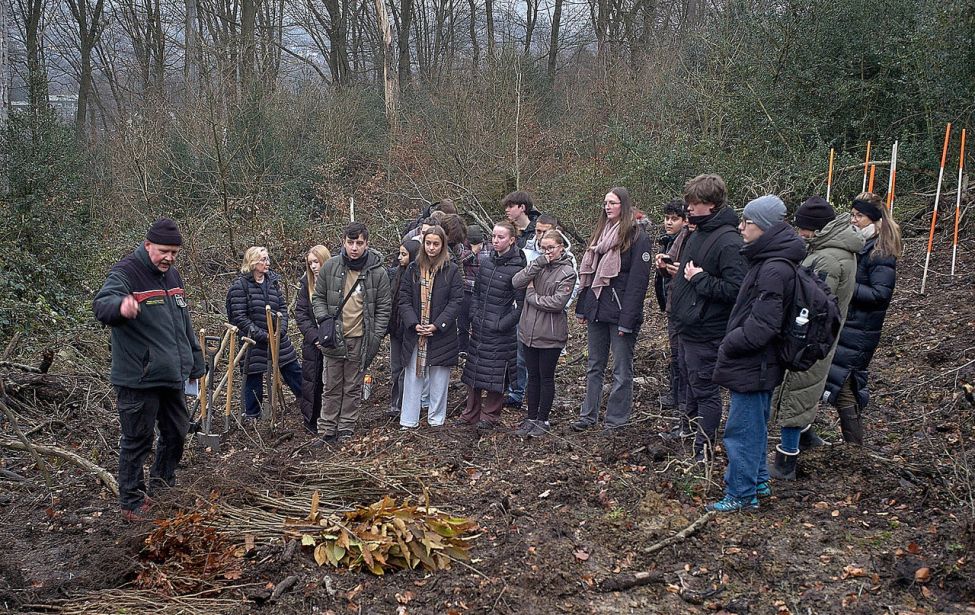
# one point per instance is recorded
(395, 287)
(748, 356)
(306, 322)
(245, 306)
(621, 303)
(864, 320)
(701, 306)
(445, 306)
(661, 282)
(495, 311)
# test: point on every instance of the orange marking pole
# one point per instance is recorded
(961, 167)
(892, 178)
(934, 216)
(873, 171)
(866, 168)
(829, 175)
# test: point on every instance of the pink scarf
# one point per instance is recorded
(601, 262)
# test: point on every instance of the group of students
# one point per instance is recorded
(727, 294)
(503, 308)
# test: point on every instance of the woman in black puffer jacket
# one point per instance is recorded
(312, 361)
(257, 287)
(430, 299)
(846, 386)
(495, 311)
(408, 251)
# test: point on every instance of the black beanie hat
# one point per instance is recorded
(164, 231)
(814, 214)
(475, 234)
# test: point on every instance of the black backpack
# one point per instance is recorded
(811, 321)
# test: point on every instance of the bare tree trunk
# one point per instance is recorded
(553, 51)
(475, 45)
(389, 76)
(489, 13)
(36, 73)
(90, 25)
(403, 41)
(531, 18)
(4, 66)
(191, 57)
(248, 20)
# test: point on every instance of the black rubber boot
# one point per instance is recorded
(809, 439)
(851, 425)
(784, 466)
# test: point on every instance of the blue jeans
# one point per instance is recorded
(254, 387)
(745, 441)
(516, 389)
(790, 439)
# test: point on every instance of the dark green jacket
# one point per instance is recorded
(376, 305)
(157, 348)
(832, 253)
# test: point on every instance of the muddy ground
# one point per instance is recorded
(888, 528)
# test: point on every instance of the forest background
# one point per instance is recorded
(258, 121)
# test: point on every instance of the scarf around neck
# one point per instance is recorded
(426, 291)
(355, 264)
(601, 262)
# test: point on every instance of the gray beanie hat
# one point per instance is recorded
(765, 211)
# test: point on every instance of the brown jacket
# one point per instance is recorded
(549, 287)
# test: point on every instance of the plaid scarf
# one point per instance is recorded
(426, 290)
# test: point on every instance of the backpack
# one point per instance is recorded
(811, 321)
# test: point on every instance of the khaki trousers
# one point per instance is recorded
(342, 392)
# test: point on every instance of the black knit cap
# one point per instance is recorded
(165, 232)
(814, 214)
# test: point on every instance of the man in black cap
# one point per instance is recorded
(154, 354)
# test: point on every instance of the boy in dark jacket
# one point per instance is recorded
(703, 292)
(748, 363)
(675, 217)
(154, 352)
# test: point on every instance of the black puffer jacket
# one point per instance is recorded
(495, 311)
(621, 303)
(860, 335)
(445, 305)
(395, 287)
(701, 306)
(306, 322)
(245, 306)
(748, 356)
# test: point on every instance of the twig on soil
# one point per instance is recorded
(636, 579)
(26, 443)
(629, 581)
(107, 479)
(681, 535)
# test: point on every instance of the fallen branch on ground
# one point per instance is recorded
(107, 479)
(636, 579)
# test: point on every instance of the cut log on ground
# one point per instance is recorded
(103, 475)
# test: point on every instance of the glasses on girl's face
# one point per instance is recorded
(549, 248)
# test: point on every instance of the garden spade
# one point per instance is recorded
(207, 438)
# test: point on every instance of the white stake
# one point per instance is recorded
(961, 166)
(351, 209)
(934, 216)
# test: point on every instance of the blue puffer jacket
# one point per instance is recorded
(495, 311)
(860, 336)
